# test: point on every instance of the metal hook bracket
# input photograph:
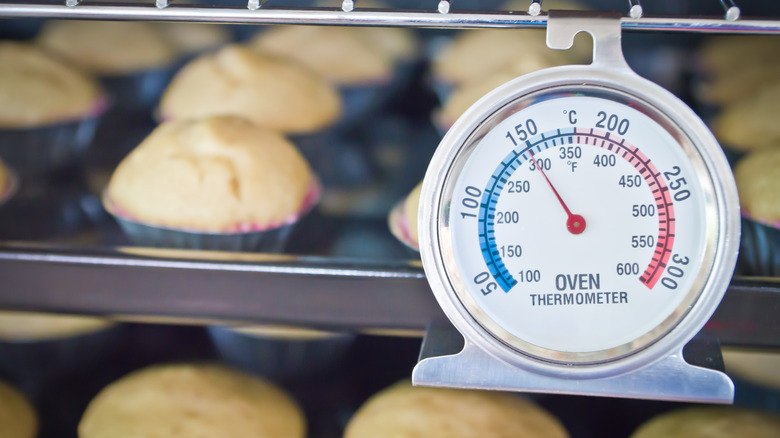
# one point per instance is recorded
(563, 26)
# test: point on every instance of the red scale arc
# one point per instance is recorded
(661, 195)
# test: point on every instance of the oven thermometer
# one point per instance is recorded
(579, 226)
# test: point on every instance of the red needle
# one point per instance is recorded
(575, 223)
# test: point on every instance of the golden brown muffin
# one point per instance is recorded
(216, 174)
(188, 401)
(750, 123)
(37, 90)
(108, 47)
(190, 38)
(727, 88)
(475, 54)
(758, 182)
(418, 412)
(27, 326)
(272, 91)
(754, 366)
(17, 416)
(344, 55)
(468, 93)
(730, 53)
(710, 422)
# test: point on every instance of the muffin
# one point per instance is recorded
(17, 416)
(710, 422)
(133, 60)
(219, 182)
(364, 63)
(753, 366)
(475, 54)
(108, 48)
(749, 123)
(35, 348)
(271, 91)
(403, 410)
(191, 38)
(758, 184)
(48, 110)
(403, 219)
(188, 400)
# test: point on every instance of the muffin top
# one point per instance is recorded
(344, 55)
(107, 47)
(468, 93)
(25, 326)
(217, 174)
(754, 366)
(37, 90)
(17, 417)
(475, 54)
(758, 183)
(710, 422)
(190, 38)
(411, 206)
(419, 412)
(189, 400)
(272, 91)
(729, 53)
(750, 123)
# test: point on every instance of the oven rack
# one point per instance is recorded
(195, 287)
(442, 14)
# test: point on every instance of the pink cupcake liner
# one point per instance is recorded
(399, 226)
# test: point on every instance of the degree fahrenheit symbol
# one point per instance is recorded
(575, 223)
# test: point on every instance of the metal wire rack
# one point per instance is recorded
(442, 14)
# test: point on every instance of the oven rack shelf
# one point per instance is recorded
(143, 284)
(440, 15)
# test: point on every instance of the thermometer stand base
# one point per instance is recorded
(670, 378)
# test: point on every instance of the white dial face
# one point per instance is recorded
(578, 225)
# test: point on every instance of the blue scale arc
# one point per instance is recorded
(487, 210)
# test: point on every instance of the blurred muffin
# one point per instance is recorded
(188, 400)
(17, 416)
(108, 48)
(403, 219)
(271, 91)
(475, 54)
(730, 53)
(37, 90)
(468, 93)
(753, 366)
(403, 410)
(218, 174)
(191, 38)
(758, 183)
(29, 327)
(750, 123)
(710, 422)
(344, 55)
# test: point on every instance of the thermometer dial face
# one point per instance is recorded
(581, 225)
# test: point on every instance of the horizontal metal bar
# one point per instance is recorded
(363, 17)
(212, 287)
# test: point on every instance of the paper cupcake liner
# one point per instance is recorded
(41, 149)
(246, 237)
(138, 91)
(278, 358)
(33, 363)
(759, 248)
(399, 227)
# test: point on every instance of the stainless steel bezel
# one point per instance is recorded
(720, 200)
